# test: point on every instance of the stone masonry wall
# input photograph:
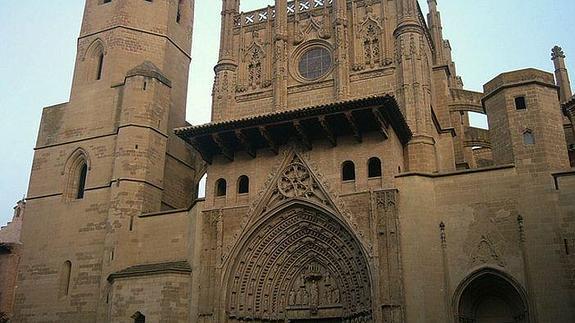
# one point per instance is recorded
(160, 298)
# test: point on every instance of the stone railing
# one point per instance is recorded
(265, 14)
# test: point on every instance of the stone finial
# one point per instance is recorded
(557, 52)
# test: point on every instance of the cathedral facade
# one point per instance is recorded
(344, 181)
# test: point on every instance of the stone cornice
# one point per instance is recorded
(177, 267)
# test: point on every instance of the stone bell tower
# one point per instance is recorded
(107, 157)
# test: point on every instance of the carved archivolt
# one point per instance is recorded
(299, 262)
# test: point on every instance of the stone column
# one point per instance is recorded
(561, 74)
(341, 51)
(280, 56)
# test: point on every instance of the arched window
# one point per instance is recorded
(528, 137)
(65, 278)
(243, 184)
(201, 189)
(83, 174)
(348, 171)
(139, 317)
(100, 67)
(76, 168)
(374, 167)
(221, 187)
(95, 60)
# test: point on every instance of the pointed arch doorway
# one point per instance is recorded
(299, 264)
(491, 296)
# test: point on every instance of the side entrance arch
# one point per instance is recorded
(491, 296)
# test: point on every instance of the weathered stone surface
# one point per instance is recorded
(397, 211)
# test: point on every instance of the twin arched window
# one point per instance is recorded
(243, 186)
(373, 169)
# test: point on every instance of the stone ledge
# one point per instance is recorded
(458, 172)
(177, 267)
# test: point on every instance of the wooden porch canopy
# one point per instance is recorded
(270, 131)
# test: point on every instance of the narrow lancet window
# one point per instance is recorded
(65, 276)
(83, 174)
(100, 66)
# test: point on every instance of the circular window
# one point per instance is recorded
(315, 63)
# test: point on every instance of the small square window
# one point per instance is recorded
(520, 103)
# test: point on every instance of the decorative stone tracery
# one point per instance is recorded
(254, 74)
(371, 32)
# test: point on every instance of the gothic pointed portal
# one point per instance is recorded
(489, 295)
(298, 258)
(300, 263)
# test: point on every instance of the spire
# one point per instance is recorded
(561, 74)
(436, 28)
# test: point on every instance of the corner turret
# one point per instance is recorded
(525, 121)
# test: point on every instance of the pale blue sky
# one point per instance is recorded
(38, 38)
